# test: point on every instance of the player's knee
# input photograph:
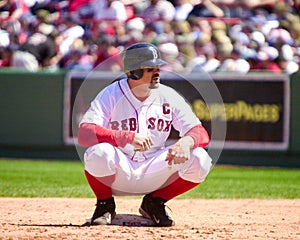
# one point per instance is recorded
(99, 160)
(204, 160)
(200, 166)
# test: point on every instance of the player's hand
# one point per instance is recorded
(180, 151)
(142, 142)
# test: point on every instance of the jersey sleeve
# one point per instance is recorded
(99, 111)
(93, 128)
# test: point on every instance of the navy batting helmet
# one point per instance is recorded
(141, 55)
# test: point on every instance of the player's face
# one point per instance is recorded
(152, 75)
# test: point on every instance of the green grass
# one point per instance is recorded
(25, 178)
(33, 178)
(245, 182)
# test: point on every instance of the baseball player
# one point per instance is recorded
(125, 130)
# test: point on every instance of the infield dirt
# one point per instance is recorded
(61, 218)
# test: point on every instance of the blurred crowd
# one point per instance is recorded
(193, 35)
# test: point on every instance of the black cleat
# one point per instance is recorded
(104, 212)
(154, 209)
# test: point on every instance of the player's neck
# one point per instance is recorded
(139, 89)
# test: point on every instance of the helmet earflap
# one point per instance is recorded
(136, 74)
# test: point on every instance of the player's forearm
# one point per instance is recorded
(199, 135)
(90, 134)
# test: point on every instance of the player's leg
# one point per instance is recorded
(190, 174)
(109, 172)
(100, 174)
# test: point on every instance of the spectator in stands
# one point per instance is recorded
(266, 60)
(267, 4)
(6, 56)
(130, 33)
(122, 35)
(79, 57)
(234, 63)
(184, 39)
(36, 5)
(4, 38)
(296, 6)
(108, 56)
(150, 34)
(206, 8)
(246, 3)
(211, 63)
(109, 10)
(37, 51)
(83, 8)
(4, 9)
(14, 31)
(158, 10)
(262, 24)
(17, 8)
(287, 66)
(199, 58)
(182, 9)
(170, 53)
(70, 30)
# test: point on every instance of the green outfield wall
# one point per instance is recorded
(32, 115)
(32, 121)
(31, 109)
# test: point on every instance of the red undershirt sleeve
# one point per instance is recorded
(90, 134)
(200, 136)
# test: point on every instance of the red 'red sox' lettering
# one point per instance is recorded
(159, 124)
(114, 125)
(131, 124)
(126, 124)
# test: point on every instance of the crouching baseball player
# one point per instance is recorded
(125, 130)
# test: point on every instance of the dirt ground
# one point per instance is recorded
(61, 218)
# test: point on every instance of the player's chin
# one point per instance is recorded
(154, 85)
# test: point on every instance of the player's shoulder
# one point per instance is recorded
(168, 91)
(110, 91)
(115, 85)
(171, 95)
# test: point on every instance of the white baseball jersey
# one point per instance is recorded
(116, 108)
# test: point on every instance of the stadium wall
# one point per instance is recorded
(32, 122)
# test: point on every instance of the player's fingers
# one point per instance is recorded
(169, 156)
(145, 147)
(169, 159)
(180, 158)
(146, 144)
(150, 141)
